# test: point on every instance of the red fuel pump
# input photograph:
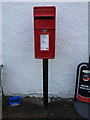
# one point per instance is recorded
(84, 85)
(82, 90)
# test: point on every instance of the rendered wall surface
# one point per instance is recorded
(22, 73)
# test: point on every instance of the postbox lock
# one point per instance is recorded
(44, 30)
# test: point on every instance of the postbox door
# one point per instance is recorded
(44, 42)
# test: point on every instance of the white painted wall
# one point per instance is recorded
(0, 58)
(22, 73)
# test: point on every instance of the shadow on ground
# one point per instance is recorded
(33, 108)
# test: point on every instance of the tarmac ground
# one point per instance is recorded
(33, 108)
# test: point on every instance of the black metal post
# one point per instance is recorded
(45, 83)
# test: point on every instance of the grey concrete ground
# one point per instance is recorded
(33, 108)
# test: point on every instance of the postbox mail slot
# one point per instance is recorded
(44, 17)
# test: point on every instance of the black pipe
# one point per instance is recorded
(89, 61)
(45, 83)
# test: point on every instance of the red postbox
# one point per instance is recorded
(44, 32)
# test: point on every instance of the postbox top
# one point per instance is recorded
(44, 11)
